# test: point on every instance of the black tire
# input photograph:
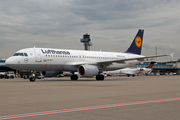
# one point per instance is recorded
(102, 77)
(99, 77)
(24, 77)
(74, 77)
(6, 77)
(32, 79)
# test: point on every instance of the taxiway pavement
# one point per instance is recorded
(19, 96)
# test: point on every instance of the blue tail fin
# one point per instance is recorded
(136, 45)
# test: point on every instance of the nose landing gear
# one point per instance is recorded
(32, 78)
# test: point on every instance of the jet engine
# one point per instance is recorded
(88, 70)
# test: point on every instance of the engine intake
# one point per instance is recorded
(88, 70)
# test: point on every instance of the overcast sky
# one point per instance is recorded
(112, 25)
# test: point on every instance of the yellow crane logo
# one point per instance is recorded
(138, 41)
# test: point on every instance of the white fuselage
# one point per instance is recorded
(48, 59)
(129, 71)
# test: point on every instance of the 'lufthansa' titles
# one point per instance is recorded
(55, 52)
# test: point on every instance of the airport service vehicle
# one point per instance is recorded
(7, 75)
(86, 63)
(131, 71)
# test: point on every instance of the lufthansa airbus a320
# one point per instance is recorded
(86, 63)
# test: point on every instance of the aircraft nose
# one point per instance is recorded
(9, 62)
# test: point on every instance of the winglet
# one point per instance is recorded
(172, 54)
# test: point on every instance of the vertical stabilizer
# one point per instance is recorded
(136, 45)
(151, 65)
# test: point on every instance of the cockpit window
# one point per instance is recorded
(20, 54)
(25, 54)
(16, 54)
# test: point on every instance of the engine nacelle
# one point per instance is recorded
(50, 73)
(88, 70)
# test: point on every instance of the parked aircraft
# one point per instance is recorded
(131, 71)
(148, 69)
(86, 63)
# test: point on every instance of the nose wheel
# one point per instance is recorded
(32, 79)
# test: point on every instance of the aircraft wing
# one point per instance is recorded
(117, 61)
(154, 56)
(137, 58)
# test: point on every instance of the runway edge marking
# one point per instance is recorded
(84, 108)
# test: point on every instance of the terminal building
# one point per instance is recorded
(163, 68)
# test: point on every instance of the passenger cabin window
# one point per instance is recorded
(20, 54)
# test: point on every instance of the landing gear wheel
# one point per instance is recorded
(25, 77)
(32, 79)
(74, 77)
(99, 77)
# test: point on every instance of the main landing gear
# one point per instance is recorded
(99, 77)
(130, 75)
(74, 77)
